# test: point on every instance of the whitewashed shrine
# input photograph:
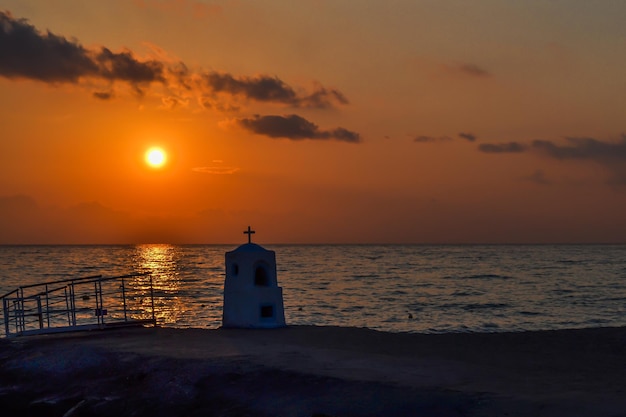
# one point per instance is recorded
(252, 297)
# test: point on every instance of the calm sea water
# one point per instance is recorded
(395, 288)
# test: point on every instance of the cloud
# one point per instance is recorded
(473, 70)
(294, 127)
(216, 170)
(172, 102)
(271, 89)
(610, 155)
(468, 136)
(25, 52)
(123, 66)
(430, 139)
(103, 95)
(584, 148)
(466, 69)
(510, 147)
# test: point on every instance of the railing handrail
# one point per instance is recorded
(21, 305)
(76, 280)
(60, 281)
(9, 293)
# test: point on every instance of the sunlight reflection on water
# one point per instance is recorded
(161, 263)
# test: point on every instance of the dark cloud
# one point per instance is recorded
(322, 97)
(27, 53)
(24, 52)
(610, 155)
(510, 147)
(430, 139)
(123, 66)
(474, 70)
(468, 136)
(584, 148)
(272, 89)
(103, 95)
(295, 127)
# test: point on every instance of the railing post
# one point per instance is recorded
(17, 328)
(73, 303)
(5, 309)
(33, 314)
(47, 306)
(101, 302)
(67, 307)
(20, 303)
(124, 299)
(39, 312)
(16, 306)
(152, 301)
(95, 288)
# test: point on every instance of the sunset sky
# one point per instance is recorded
(313, 121)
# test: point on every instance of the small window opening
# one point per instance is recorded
(267, 312)
(235, 269)
(260, 277)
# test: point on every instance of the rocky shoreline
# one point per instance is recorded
(314, 371)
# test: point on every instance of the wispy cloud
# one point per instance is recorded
(466, 69)
(509, 147)
(294, 127)
(213, 170)
(610, 155)
(473, 70)
(271, 89)
(103, 95)
(468, 136)
(584, 148)
(431, 139)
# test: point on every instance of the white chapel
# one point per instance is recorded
(252, 297)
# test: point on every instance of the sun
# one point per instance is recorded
(156, 157)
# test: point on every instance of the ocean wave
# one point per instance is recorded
(488, 306)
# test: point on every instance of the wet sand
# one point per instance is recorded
(314, 371)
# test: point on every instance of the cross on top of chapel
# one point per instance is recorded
(249, 232)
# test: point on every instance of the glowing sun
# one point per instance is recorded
(156, 157)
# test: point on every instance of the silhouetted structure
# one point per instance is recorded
(252, 297)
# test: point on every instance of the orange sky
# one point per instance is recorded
(491, 121)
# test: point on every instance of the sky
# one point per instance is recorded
(316, 121)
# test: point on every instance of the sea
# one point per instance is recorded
(393, 288)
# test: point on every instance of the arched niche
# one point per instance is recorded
(261, 275)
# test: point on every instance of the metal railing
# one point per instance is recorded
(93, 302)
